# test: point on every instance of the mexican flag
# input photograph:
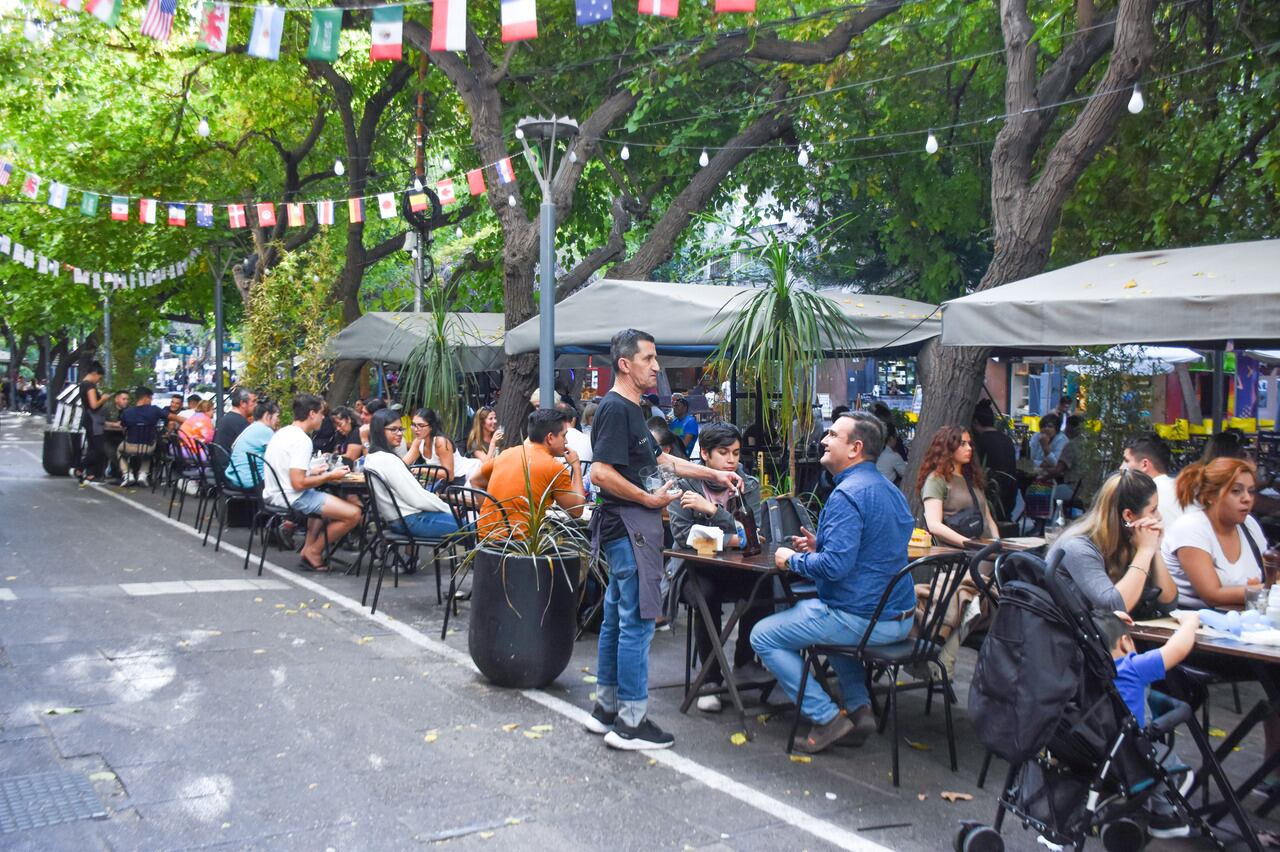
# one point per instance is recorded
(388, 21)
(119, 208)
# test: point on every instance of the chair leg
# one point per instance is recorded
(806, 659)
(946, 710)
(253, 527)
(986, 766)
(208, 527)
(1235, 696)
(928, 696)
(368, 577)
(222, 523)
(892, 712)
(394, 555)
(266, 537)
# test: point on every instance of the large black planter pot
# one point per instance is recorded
(523, 617)
(61, 452)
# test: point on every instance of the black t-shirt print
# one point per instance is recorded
(620, 438)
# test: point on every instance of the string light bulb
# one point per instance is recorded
(203, 128)
(573, 156)
(703, 159)
(1136, 103)
(446, 164)
(519, 132)
(511, 201)
(625, 153)
(338, 168)
(931, 144)
(803, 158)
(458, 232)
(417, 184)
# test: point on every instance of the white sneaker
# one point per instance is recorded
(127, 480)
(710, 704)
(142, 480)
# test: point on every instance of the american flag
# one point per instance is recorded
(158, 19)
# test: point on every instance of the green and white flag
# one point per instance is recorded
(326, 25)
(88, 204)
(214, 18)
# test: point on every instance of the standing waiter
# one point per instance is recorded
(627, 527)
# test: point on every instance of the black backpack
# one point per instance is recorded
(1029, 667)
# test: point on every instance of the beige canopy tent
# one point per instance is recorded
(390, 337)
(1199, 297)
(684, 317)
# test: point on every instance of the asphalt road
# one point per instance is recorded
(209, 708)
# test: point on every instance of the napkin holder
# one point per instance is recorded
(705, 539)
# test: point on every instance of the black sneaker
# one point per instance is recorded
(1163, 826)
(600, 721)
(643, 737)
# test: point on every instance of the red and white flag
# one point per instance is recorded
(297, 218)
(31, 187)
(387, 205)
(73, 5)
(324, 212)
(475, 181)
(387, 27)
(661, 8)
(147, 211)
(520, 20)
(266, 214)
(178, 215)
(119, 208)
(449, 25)
(236, 217)
(444, 189)
(723, 6)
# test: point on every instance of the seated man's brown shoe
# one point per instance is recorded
(864, 725)
(822, 737)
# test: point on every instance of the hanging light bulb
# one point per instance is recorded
(447, 164)
(625, 153)
(1136, 103)
(803, 159)
(338, 168)
(458, 233)
(203, 128)
(519, 132)
(573, 156)
(704, 159)
(417, 184)
(511, 201)
(931, 144)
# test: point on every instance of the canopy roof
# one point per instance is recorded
(1200, 297)
(684, 317)
(391, 336)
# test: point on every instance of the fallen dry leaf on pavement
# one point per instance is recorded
(533, 735)
(431, 736)
(1217, 732)
(364, 640)
(589, 679)
(763, 718)
(922, 796)
(951, 796)
(801, 758)
(542, 729)
(510, 727)
(919, 746)
(738, 738)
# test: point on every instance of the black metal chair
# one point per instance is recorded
(394, 542)
(944, 574)
(467, 505)
(191, 469)
(433, 477)
(270, 516)
(225, 493)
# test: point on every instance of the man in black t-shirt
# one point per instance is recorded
(997, 454)
(627, 527)
(235, 421)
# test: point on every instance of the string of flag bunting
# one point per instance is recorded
(26, 256)
(265, 214)
(519, 20)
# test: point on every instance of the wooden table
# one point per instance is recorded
(762, 566)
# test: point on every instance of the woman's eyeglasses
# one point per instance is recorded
(395, 428)
(420, 425)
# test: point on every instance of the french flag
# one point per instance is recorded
(661, 8)
(519, 20)
(506, 174)
(449, 25)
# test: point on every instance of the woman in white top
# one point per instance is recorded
(430, 445)
(425, 514)
(1214, 550)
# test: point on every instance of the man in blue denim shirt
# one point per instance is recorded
(861, 544)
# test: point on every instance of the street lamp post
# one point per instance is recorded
(544, 132)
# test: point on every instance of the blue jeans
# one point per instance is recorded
(427, 525)
(779, 639)
(622, 668)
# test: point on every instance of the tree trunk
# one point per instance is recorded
(520, 373)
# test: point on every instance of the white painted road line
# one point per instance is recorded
(761, 801)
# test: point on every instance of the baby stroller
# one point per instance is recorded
(1043, 698)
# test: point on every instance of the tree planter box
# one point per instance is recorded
(61, 452)
(523, 617)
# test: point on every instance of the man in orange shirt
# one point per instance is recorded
(532, 468)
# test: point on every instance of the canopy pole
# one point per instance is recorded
(1219, 398)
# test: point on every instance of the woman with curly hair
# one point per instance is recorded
(951, 487)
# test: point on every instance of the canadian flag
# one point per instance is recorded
(235, 214)
(147, 211)
(387, 205)
(444, 189)
(266, 214)
(449, 25)
(661, 8)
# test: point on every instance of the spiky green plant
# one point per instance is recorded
(431, 375)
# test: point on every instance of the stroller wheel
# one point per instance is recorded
(978, 838)
(1123, 835)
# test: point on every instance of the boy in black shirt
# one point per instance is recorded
(627, 528)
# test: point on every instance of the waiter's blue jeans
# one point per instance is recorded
(622, 670)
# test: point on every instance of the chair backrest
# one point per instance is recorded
(256, 464)
(377, 488)
(267, 470)
(220, 461)
(432, 476)
(782, 517)
(943, 575)
(467, 505)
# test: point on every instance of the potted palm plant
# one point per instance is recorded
(525, 587)
(775, 335)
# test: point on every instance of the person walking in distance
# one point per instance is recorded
(627, 528)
